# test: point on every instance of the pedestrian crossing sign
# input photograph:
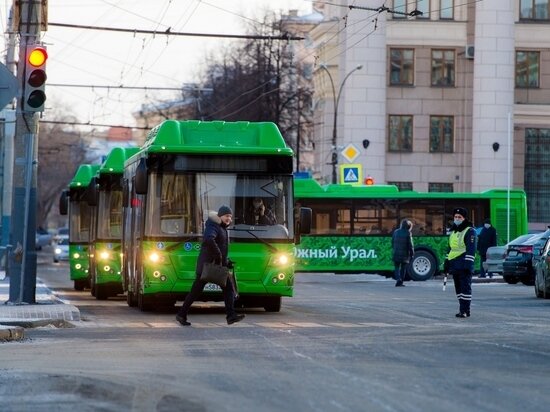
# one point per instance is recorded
(351, 174)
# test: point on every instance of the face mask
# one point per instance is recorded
(458, 222)
(487, 225)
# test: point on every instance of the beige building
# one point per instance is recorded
(456, 98)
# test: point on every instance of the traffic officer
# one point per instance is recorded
(460, 259)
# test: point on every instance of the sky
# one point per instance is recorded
(106, 58)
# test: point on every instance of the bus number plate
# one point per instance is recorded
(212, 287)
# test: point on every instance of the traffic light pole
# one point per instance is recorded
(22, 259)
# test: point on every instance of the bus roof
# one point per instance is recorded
(310, 188)
(215, 137)
(114, 163)
(83, 176)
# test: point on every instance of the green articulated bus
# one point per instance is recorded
(351, 226)
(105, 253)
(74, 201)
(188, 169)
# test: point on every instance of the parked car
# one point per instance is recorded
(497, 254)
(61, 249)
(43, 238)
(542, 273)
(518, 264)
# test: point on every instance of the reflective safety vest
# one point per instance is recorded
(456, 243)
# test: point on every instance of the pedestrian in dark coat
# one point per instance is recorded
(487, 238)
(403, 250)
(460, 259)
(214, 248)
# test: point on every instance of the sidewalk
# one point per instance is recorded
(48, 310)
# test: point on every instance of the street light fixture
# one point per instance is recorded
(336, 101)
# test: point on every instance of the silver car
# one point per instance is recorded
(61, 249)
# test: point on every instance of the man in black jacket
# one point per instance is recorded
(487, 238)
(403, 250)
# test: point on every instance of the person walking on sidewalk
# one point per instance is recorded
(460, 259)
(403, 250)
(214, 248)
(487, 238)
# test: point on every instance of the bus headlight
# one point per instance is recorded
(155, 257)
(104, 255)
(281, 259)
(76, 255)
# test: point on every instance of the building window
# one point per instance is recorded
(400, 133)
(443, 67)
(446, 9)
(441, 134)
(402, 67)
(534, 10)
(400, 6)
(403, 186)
(527, 69)
(424, 7)
(440, 187)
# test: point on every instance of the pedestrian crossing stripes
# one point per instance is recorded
(245, 324)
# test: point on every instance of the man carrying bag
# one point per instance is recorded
(214, 248)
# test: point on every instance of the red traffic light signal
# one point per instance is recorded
(34, 95)
(369, 181)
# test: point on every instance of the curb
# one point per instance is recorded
(11, 333)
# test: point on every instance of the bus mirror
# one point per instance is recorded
(141, 178)
(125, 194)
(92, 193)
(64, 203)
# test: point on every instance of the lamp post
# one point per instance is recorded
(336, 101)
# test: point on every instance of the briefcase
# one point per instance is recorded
(214, 273)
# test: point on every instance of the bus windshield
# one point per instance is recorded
(109, 219)
(79, 221)
(178, 204)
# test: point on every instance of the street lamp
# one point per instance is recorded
(336, 101)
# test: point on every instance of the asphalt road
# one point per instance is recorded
(342, 343)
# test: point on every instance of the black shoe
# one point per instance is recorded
(183, 320)
(234, 319)
(399, 284)
(463, 315)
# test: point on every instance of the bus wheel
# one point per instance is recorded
(422, 266)
(79, 284)
(101, 292)
(272, 304)
(131, 298)
(144, 302)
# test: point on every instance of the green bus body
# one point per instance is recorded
(191, 168)
(79, 225)
(105, 258)
(352, 225)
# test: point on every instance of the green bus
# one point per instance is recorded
(74, 201)
(184, 171)
(105, 253)
(351, 226)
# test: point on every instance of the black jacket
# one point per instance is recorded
(486, 239)
(215, 243)
(401, 242)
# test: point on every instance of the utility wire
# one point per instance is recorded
(96, 86)
(168, 32)
(93, 124)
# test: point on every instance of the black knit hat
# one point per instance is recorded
(461, 211)
(224, 210)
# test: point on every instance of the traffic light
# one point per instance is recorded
(35, 79)
(369, 181)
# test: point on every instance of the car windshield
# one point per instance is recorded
(63, 241)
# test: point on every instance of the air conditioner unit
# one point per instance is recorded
(469, 51)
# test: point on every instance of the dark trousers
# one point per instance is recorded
(463, 288)
(196, 290)
(400, 271)
(482, 258)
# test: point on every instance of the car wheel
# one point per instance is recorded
(538, 293)
(510, 280)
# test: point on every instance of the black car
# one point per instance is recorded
(518, 264)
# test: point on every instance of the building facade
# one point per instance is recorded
(451, 96)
